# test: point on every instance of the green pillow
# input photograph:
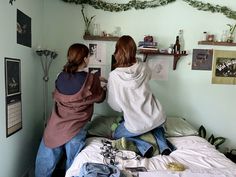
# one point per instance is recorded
(178, 126)
(102, 125)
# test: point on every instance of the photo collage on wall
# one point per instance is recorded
(221, 62)
(97, 58)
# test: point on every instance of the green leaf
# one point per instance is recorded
(218, 141)
(211, 139)
(202, 131)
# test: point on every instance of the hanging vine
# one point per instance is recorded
(136, 4)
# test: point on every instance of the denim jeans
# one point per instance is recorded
(47, 158)
(142, 145)
(90, 169)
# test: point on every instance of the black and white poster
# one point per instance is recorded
(23, 29)
(13, 96)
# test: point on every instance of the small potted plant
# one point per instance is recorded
(87, 21)
(231, 32)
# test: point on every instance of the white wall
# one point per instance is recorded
(187, 93)
(17, 152)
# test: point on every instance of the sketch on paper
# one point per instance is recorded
(97, 53)
(224, 67)
(159, 69)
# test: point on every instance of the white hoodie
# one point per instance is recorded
(129, 92)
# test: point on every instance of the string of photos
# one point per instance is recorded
(136, 4)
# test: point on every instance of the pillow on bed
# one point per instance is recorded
(178, 126)
(101, 125)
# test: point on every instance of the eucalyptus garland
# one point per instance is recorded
(136, 4)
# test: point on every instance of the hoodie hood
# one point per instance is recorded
(132, 76)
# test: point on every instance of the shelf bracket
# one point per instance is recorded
(176, 59)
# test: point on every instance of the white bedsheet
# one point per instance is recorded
(198, 156)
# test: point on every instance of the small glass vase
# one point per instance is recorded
(230, 38)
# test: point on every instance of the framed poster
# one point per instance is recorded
(224, 67)
(13, 83)
(13, 96)
(202, 59)
(23, 29)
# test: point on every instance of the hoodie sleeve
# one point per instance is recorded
(112, 94)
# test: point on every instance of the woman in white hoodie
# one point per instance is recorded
(129, 93)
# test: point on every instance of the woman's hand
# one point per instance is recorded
(103, 79)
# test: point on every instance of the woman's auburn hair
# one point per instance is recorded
(75, 57)
(125, 51)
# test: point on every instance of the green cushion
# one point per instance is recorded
(102, 125)
(178, 126)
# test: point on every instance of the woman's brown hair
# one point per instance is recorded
(125, 52)
(75, 56)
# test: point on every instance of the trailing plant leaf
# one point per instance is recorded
(138, 4)
(202, 131)
(218, 141)
(211, 139)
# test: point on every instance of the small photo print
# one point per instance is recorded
(202, 59)
(95, 70)
(23, 29)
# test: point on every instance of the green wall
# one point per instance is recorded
(187, 93)
(56, 25)
(17, 152)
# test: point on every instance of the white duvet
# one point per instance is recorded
(199, 157)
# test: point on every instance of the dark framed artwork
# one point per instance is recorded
(224, 67)
(13, 75)
(23, 29)
(202, 59)
(13, 96)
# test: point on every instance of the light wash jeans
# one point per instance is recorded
(47, 158)
(142, 145)
(90, 169)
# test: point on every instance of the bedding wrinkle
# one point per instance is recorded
(200, 158)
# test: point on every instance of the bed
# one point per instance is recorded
(196, 154)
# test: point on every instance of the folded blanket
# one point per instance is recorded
(124, 144)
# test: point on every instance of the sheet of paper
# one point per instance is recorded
(160, 68)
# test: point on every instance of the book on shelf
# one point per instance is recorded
(148, 49)
(143, 43)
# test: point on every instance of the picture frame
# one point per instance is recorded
(202, 59)
(224, 67)
(23, 29)
(13, 95)
(12, 76)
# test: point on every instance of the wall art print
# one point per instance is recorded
(202, 59)
(23, 29)
(224, 67)
(13, 96)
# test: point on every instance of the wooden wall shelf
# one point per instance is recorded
(100, 38)
(156, 52)
(216, 43)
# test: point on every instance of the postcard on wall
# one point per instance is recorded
(97, 51)
(97, 70)
(202, 59)
(224, 67)
(23, 29)
(160, 68)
